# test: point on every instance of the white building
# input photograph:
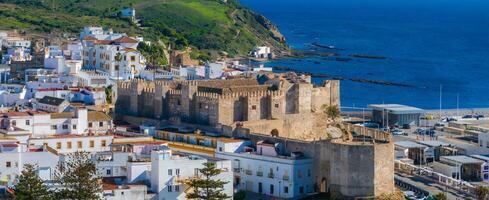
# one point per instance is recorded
(22, 125)
(101, 55)
(70, 143)
(11, 95)
(261, 52)
(264, 171)
(13, 158)
(169, 172)
(52, 104)
(214, 70)
(460, 167)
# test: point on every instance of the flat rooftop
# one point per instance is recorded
(435, 143)
(409, 144)
(396, 108)
(481, 157)
(462, 159)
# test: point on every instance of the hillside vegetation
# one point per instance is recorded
(206, 25)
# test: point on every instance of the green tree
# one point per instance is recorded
(441, 196)
(108, 94)
(30, 185)
(77, 176)
(481, 192)
(204, 187)
(332, 111)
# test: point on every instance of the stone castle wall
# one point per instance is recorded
(227, 102)
(350, 169)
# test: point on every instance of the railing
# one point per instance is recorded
(450, 182)
(286, 178)
(259, 173)
(271, 175)
(248, 172)
(237, 170)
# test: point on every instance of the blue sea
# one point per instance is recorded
(427, 44)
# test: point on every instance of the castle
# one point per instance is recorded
(279, 108)
(283, 103)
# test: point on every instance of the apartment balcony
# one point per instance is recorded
(286, 178)
(259, 174)
(271, 175)
(248, 172)
(237, 170)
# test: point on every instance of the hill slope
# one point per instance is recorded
(204, 24)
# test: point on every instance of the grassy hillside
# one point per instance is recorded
(207, 25)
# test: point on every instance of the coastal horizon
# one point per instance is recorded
(424, 48)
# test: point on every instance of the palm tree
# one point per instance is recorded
(332, 111)
(481, 192)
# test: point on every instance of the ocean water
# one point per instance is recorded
(427, 44)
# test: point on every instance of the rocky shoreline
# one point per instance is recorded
(324, 75)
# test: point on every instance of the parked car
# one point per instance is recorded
(419, 131)
(406, 126)
(398, 132)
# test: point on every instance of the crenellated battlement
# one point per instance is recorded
(212, 102)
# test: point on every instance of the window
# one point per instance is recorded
(65, 126)
(299, 173)
(58, 145)
(169, 172)
(301, 189)
(169, 188)
(177, 188)
(14, 123)
(116, 67)
(271, 189)
(200, 105)
(100, 124)
(109, 172)
(260, 190)
(74, 127)
(8, 164)
(90, 125)
(27, 122)
(68, 145)
(178, 102)
(487, 144)
(53, 127)
(220, 148)
(308, 172)
(253, 107)
(92, 143)
(104, 143)
(276, 105)
(79, 144)
(177, 172)
(286, 189)
(196, 171)
(133, 58)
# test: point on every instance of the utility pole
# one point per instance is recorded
(441, 88)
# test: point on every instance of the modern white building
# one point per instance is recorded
(170, 170)
(264, 171)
